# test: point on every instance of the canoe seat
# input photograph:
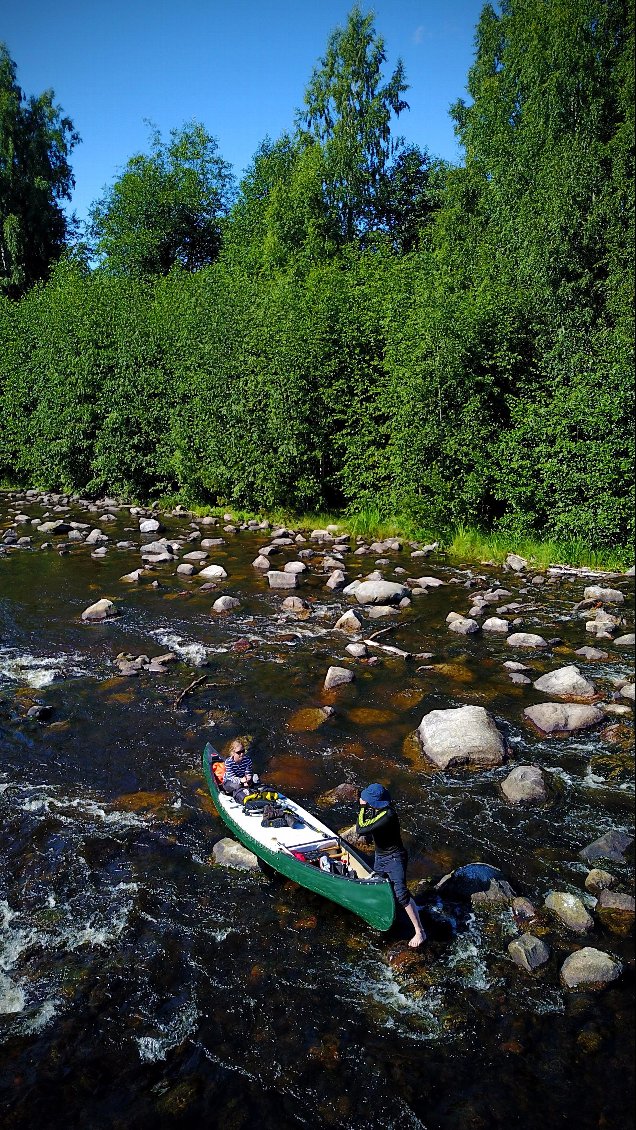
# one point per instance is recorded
(307, 847)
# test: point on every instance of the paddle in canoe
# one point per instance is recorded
(296, 849)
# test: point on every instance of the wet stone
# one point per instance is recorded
(598, 880)
(589, 968)
(528, 952)
(338, 677)
(570, 911)
(612, 845)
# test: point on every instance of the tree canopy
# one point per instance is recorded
(36, 141)
(165, 208)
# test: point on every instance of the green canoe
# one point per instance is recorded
(296, 851)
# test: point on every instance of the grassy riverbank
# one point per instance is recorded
(462, 543)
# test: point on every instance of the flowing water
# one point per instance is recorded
(143, 985)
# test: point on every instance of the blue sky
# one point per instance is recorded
(239, 66)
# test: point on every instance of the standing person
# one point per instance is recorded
(239, 772)
(378, 820)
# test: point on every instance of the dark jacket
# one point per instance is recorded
(381, 825)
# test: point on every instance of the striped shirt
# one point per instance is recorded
(242, 768)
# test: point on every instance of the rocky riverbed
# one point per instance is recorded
(497, 704)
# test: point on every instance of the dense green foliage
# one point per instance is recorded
(35, 175)
(165, 207)
(449, 345)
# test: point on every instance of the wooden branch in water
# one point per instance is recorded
(386, 647)
(188, 690)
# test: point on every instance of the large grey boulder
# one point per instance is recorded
(570, 911)
(380, 592)
(565, 682)
(229, 853)
(556, 718)
(517, 563)
(103, 609)
(463, 735)
(606, 596)
(279, 579)
(338, 677)
(528, 952)
(525, 785)
(529, 640)
(150, 526)
(212, 573)
(589, 968)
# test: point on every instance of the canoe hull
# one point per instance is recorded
(372, 900)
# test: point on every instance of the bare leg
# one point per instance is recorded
(420, 933)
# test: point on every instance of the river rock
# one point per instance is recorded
(627, 640)
(225, 604)
(379, 592)
(296, 604)
(294, 567)
(614, 900)
(516, 563)
(528, 952)
(463, 735)
(357, 650)
(495, 624)
(597, 880)
(278, 579)
(150, 526)
(212, 573)
(56, 528)
(570, 911)
(602, 625)
(464, 626)
(589, 968)
(337, 580)
(565, 682)
(349, 623)
(525, 785)
(627, 691)
(195, 555)
(261, 562)
(606, 596)
(427, 582)
(338, 677)
(557, 718)
(612, 845)
(135, 577)
(592, 653)
(526, 639)
(96, 537)
(185, 570)
(229, 853)
(103, 609)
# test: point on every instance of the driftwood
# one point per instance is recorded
(386, 647)
(188, 690)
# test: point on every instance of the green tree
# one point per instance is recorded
(165, 208)
(348, 110)
(36, 141)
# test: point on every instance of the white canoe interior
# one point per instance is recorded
(309, 836)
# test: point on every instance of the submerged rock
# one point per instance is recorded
(229, 853)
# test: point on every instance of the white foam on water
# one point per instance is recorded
(38, 671)
(465, 957)
(170, 1035)
(192, 652)
(42, 1018)
(419, 1015)
(12, 998)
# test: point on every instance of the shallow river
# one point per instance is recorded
(142, 985)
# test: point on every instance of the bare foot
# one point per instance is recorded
(417, 940)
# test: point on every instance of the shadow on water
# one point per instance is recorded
(141, 984)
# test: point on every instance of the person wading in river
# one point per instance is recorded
(378, 820)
